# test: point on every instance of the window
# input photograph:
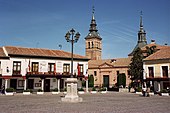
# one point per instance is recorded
(165, 71)
(95, 73)
(51, 67)
(16, 67)
(92, 44)
(151, 71)
(66, 68)
(117, 72)
(89, 45)
(98, 45)
(81, 69)
(20, 83)
(37, 84)
(128, 72)
(34, 66)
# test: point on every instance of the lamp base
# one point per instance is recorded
(71, 95)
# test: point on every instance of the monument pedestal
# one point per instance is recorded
(71, 95)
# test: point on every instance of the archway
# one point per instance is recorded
(121, 80)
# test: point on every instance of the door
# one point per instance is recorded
(106, 81)
(13, 83)
(0, 83)
(30, 83)
(61, 83)
(47, 85)
(121, 80)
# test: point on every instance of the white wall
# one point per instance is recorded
(4, 65)
(43, 65)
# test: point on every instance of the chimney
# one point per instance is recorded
(153, 42)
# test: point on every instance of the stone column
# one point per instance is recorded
(58, 84)
(87, 89)
(144, 84)
(42, 84)
(159, 87)
(25, 84)
(6, 84)
(71, 95)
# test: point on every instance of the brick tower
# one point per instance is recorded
(93, 41)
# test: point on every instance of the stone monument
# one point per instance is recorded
(71, 95)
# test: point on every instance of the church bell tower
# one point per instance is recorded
(93, 41)
(141, 37)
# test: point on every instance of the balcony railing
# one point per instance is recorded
(66, 73)
(16, 73)
(158, 78)
(52, 74)
(43, 73)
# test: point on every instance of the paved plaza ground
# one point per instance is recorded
(112, 102)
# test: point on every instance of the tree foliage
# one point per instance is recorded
(150, 50)
(121, 79)
(91, 81)
(136, 65)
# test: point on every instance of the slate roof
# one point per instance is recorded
(38, 52)
(118, 62)
(93, 34)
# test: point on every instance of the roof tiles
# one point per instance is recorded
(13, 50)
(158, 47)
(163, 53)
(2, 54)
(118, 62)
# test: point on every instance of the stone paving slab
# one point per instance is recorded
(92, 103)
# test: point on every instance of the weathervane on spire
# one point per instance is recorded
(93, 13)
(141, 13)
(93, 10)
(141, 24)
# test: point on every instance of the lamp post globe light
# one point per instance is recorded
(71, 95)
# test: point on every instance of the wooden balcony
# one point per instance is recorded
(66, 73)
(51, 75)
(165, 78)
(16, 73)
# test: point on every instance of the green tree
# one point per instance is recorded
(136, 66)
(150, 50)
(91, 81)
(121, 79)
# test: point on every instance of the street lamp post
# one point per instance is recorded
(74, 39)
(71, 95)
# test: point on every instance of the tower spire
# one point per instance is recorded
(93, 40)
(93, 22)
(93, 32)
(141, 24)
(141, 33)
(93, 13)
(141, 36)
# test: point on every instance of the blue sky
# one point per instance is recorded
(44, 23)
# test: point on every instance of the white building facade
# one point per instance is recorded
(33, 68)
(157, 70)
